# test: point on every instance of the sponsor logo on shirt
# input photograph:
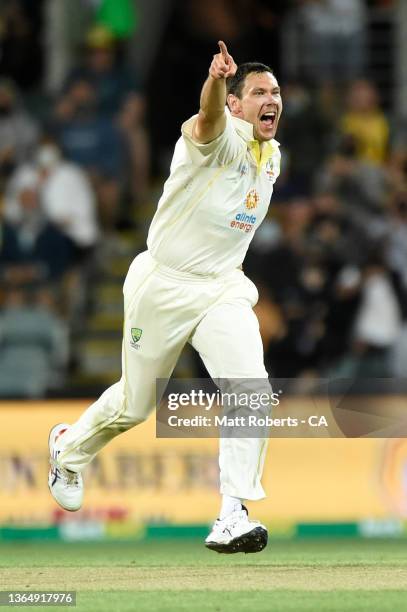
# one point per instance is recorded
(243, 222)
(252, 199)
(270, 169)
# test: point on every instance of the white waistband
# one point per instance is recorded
(187, 276)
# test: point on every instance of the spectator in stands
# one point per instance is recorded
(361, 185)
(335, 38)
(118, 100)
(41, 253)
(334, 238)
(378, 322)
(87, 137)
(341, 307)
(67, 197)
(365, 121)
(18, 131)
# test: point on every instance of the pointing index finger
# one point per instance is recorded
(223, 50)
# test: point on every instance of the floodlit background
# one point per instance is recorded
(92, 96)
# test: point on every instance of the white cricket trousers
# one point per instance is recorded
(172, 308)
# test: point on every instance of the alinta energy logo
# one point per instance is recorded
(243, 221)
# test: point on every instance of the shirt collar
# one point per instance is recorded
(245, 129)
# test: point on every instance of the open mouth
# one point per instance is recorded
(268, 119)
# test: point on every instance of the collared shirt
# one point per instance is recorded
(215, 198)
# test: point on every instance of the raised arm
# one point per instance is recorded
(211, 119)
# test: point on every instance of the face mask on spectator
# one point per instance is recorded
(47, 156)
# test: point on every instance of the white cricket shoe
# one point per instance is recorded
(236, 533)
(66, 487)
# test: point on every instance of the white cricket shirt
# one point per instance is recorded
(215, 198)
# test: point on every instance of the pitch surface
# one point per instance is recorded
(163, 576)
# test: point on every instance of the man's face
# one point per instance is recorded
(260, 104)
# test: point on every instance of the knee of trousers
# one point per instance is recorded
(128, 420)
(130, 417)
(255, 385)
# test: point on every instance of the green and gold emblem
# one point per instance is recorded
(136, 333)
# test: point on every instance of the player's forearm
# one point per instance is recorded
(211, 118)
(213, 99)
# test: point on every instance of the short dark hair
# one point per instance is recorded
(235, 83)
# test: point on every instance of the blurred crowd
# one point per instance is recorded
(76, 171)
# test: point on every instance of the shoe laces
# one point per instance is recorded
(70, 478)
(230, 521)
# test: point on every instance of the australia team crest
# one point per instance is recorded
(252, 199)
(136, 334)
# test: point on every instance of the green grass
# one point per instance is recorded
(163, 576)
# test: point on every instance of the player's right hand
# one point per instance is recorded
(223, 65)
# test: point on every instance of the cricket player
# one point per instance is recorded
(189, 286)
